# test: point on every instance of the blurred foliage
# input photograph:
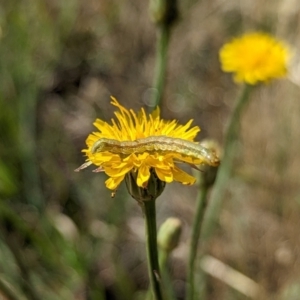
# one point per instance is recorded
(61, 235)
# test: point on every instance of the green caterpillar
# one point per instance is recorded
(161, 144)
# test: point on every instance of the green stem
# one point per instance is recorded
(152, 253)
(225, 168)
(198, 221)
(166, 280)
(161, 63)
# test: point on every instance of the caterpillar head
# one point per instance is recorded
(98, 146)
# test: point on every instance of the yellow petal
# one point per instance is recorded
(113, 182)
(183, 177)
(255, 57)
(143, 175)
(128, 125)
(164, 175)
(117, 171)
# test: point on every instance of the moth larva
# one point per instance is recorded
(161, 144)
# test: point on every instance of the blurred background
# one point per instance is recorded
(61, 234)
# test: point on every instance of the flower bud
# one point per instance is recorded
(169, 234)
(208, 175)
(164, 11)
(154, 187)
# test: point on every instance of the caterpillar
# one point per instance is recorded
(161, 144)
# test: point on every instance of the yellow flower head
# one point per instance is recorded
(255, 57)
(141, 143)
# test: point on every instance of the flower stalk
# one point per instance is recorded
(230, 147)
(205, 180)
(196, 230)
(168, 239)
(163, 38)
(164, 14)
(205, 227)
(152, 253)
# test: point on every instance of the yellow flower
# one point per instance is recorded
(131, 126)
(255, 57)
